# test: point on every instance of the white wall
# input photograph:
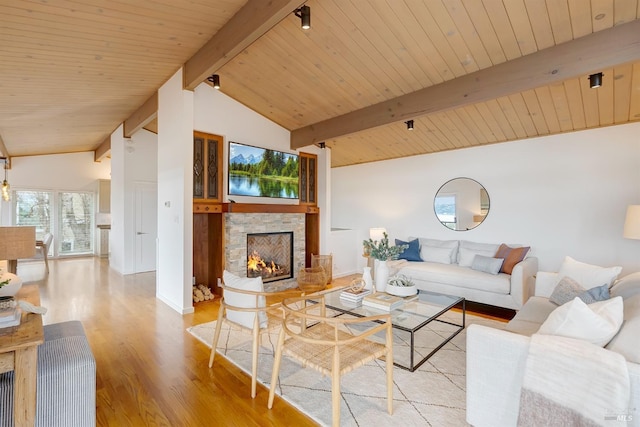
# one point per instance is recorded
(55, 172)
(134, 161)
(563, 195)
(175, 190)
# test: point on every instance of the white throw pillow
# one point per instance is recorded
(596, 323)
(436, 243)
(589, 276)
(244, 318)
(626, 341)
(435, 254)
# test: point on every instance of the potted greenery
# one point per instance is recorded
(382, 252)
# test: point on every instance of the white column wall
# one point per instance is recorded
(562, 195)
(175, 190)
(133, 161)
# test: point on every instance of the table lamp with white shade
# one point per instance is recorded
(632, 223)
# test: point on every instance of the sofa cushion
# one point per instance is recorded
(412, 253)
(596, 323)
(588, 275)
(468, 250)
(627, 287)
(461, 277)
(511, 256)
(626, 341)
(435, 254)
(487, 264)
(528, 320)
(435, 243)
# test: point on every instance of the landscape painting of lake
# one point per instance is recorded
(262, 172)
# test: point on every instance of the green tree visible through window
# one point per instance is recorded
(34, 208)
(76, 213)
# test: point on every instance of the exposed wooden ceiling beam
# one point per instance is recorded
(103, 150)
(3, 149)
(143, 115)
(252, 21)
(582, 56)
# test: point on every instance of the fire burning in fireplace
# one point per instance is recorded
(256, 266)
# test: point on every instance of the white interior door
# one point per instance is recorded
(146, 226)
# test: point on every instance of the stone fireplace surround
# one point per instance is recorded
(238, 225)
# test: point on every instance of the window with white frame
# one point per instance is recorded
(67, 215)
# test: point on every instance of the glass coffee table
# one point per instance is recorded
(426, 319)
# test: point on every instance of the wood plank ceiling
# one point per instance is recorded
(72, 72)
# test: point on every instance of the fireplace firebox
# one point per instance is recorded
(270, 255)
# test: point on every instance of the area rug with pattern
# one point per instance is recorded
(432, 395)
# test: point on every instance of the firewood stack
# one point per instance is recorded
(202, 293)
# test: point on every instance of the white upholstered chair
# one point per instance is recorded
(244, 305)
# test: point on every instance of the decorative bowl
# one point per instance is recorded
(401, 286)
(401, 291)
(11, 288)
(312, 279)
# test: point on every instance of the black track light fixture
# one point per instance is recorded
(595, 80)
(215, 80)
(322, 145)
(304, 13)
(409, 124)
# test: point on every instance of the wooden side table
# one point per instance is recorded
(19, 353)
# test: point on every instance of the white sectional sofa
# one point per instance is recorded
(497, 361)
(448, 267)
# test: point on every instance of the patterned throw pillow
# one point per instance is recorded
(412, 253)
(511, 256)
(566, 290)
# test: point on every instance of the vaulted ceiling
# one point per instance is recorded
(468, 72)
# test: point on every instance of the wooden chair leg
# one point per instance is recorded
(254, 355)
(335, 388)
(46, 259)
(276, 368)
(216, 335)
(389, 369)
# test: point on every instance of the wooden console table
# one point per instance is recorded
(19, 353)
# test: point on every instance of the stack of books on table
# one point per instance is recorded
(383, 301)
(354, 297)
(9, 314)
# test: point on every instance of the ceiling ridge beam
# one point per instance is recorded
(252, 21)
(585, 55)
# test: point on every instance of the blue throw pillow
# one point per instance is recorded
(412, 253)
(599, 293)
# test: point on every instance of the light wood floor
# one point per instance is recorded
(150, 371)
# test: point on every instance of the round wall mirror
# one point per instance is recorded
(461, 204)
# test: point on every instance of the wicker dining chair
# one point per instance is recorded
(244, 305)
(327, 346)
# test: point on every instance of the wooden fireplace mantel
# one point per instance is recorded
(203, 207)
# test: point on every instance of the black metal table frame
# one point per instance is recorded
(412, 367)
